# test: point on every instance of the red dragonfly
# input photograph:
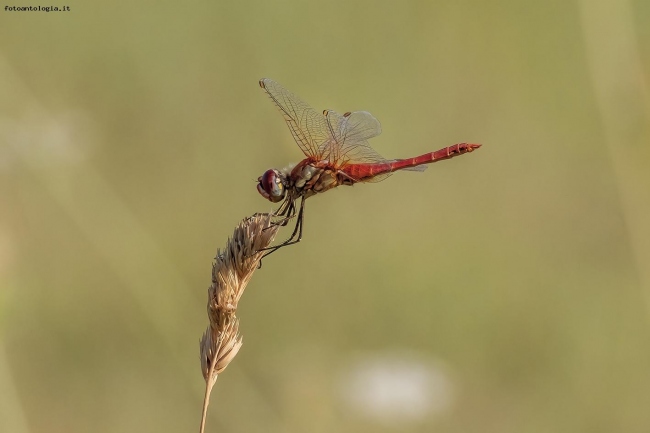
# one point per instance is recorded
(337, 153)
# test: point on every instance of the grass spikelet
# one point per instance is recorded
(232, 270)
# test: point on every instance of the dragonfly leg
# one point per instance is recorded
(285, 207)
(298, 226)
(297, 230)
(287, 210)
(287, 213)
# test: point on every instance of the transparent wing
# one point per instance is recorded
(308, 127)
(348, 144)
(381, 177)
(330, 136)
(356, 126)
(348, 138)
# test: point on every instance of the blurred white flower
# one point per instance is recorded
(46, 141)
(396, 387)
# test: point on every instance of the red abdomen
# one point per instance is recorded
(361, 172)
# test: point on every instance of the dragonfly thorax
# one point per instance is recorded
(272, 185)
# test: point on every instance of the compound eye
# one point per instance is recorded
(271, 186)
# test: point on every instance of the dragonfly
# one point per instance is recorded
(336, 151)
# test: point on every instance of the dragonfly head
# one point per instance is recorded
(271, 185)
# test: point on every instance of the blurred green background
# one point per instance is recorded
(503, 291)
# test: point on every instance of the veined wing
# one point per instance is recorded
(348, 144)
(308, 127)
(350, 133)
(339, 139)
(348, 138)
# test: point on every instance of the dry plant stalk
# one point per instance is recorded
(231, 272)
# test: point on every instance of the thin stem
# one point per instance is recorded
(206, 402)
(209, 383)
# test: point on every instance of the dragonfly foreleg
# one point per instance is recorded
(287, 211)
(297, 230)
(298, 226)
(286, 208)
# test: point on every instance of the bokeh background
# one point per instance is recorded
(503, 291)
